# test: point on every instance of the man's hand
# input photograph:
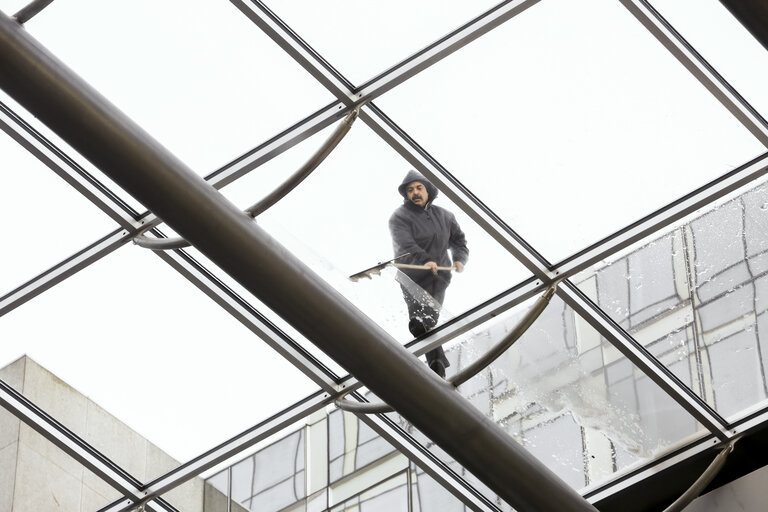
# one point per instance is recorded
(432, 266)
(459, 266)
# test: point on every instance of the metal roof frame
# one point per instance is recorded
(570, 266)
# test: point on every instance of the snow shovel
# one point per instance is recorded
(376, 270)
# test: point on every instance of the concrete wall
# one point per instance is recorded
(35, 476)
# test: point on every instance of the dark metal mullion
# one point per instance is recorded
(289, 41)
(446, 45)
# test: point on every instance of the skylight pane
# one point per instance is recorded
(569, 397)
(570, 121)
(336, 222)
(695, 298)
(141, 342)
(45, 219)
(724, 43)
(197, 76)
(361, 43)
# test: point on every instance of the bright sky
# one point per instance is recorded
(570, 121)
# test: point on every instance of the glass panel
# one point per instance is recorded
(274, 478)
(390, 495)
(377, 37)
(352, 445)
(195, 79)
(429, 496)
(140, 342)
(43, 131)
(590, 114)
(336, 222)
(719, 36)
(216, 494)
(695, 297)
(44, 219)
(569, 398)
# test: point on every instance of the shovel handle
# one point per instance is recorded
(421, 267)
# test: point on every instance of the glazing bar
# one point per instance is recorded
(68, 442)
(665, 216)
(699, 68)
(228, 449)
(63, 270)
(200, 214)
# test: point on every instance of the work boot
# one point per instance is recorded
(438, 367)
(417, 327)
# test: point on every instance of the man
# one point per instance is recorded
(426, 233)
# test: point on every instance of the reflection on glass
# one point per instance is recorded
(429, 496)
(696, 298)
(216, 492)
(273, 478)
(352, 445)
(388, 496)
(572, 400)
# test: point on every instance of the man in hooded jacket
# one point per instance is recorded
(425, 233)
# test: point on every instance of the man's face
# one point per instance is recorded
(416, 193)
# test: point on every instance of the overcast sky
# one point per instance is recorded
(570, 121)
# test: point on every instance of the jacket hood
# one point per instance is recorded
(417, 176)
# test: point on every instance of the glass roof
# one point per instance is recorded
(566, 132)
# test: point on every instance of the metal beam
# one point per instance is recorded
(112, 142)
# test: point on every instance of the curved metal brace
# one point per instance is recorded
(161, 244)
(701, 483)
(501, 347)
(305, 170)
(362, 407)
(27, 13)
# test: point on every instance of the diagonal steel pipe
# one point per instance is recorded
(219, 293)
(199, 213)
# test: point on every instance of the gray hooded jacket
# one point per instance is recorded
(427, 234)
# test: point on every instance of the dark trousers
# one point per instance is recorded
(424, 308)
